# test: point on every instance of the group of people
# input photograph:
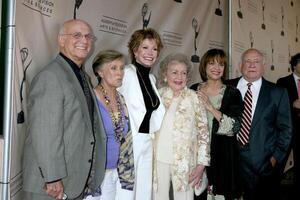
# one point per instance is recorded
(127, 139)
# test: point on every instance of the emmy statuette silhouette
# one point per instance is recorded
(195, 57)
(144, 13)
(76, 7)
(24, 56)
(239, 12)
(282, 24)
(218, 10)
(263, 26)
(272, 55)
(251, 37)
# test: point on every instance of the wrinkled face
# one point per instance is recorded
(214, 70)
(252, 66)
(297, 69)
(147, 53)
(176, 76)
(76, 42)
(112, 73)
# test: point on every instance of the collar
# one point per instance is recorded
(296, 77)
(73, 65)
(145, 71)
(256, 83)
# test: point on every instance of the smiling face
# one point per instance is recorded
(214, 70)
(252, 66)
(146, 54)
(76, 49)
(176, 76)
(112, 74)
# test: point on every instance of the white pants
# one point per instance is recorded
(143, 157)
(111, 188)
(164, 178)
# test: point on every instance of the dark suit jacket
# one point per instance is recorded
(288, 82)
(271, 128)
(60, 139)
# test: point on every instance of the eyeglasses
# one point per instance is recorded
(252, 62)
(79, 36)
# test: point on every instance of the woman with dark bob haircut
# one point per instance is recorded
(224, 107)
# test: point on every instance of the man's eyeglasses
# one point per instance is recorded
(252, 62)
(79, 36)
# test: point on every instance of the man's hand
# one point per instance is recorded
(273, 161)
(55, 189)
(296, 103)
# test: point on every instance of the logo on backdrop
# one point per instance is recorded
(195, 57)
(218, 10)
(297, 24)
(76, 7)
(251, 38)
(282, 24)
(25, 64)
(263, 26)
(239, 12)
(272, 55)
(144, 13)
(45, 8)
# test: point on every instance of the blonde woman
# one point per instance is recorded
(182, 143)
(118, 183)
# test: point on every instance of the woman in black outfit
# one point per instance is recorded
(224, 107)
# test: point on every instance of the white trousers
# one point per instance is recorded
(164, 178)
(143, 157)
(111, 188)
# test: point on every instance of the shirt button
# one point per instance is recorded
(90, 160)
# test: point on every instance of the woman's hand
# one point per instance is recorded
(208, 106)
(205, 100)
(195, 177)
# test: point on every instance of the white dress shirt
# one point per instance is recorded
(255, 88)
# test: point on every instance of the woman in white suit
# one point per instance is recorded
(182, 143)
(144, 106)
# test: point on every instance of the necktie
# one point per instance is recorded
(298, 88)
(87, 94)
(243, 136)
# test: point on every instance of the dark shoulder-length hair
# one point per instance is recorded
(212, 55)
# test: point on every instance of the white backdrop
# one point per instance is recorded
(113, 22)
(269, 25)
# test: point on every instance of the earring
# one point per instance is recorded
(165, 80)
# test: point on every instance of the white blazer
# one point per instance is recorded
(133, 95)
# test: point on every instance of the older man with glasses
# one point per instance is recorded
(64, 153)
(266, 128)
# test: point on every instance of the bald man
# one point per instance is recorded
(64, 153)
(266, 145)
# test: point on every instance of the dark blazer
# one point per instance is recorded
(60, 139)
(288, 82)
(271, 128)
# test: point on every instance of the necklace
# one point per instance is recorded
(117, 119)
(156, 100)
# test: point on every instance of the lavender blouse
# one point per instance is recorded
(112, 146)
